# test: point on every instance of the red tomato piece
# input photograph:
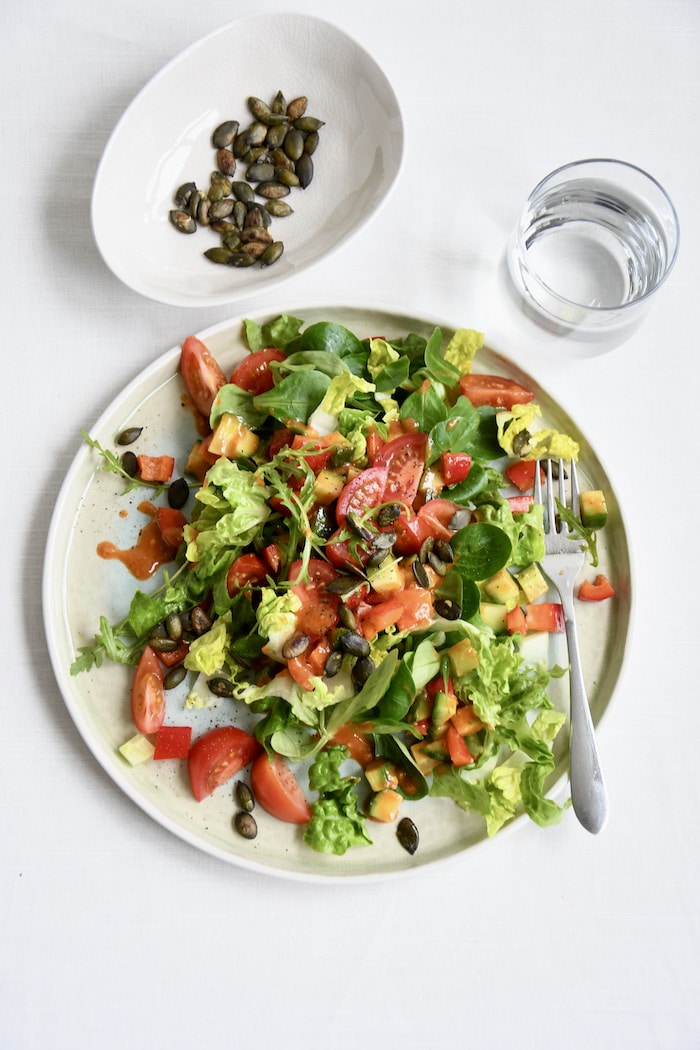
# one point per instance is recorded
(366, 490)
(522, 474)
(246, 570)
(417, 608)
(455, 467)
(404, 459)
(494, 390)
(378, 617)
(515, 621)
(273, 556)
(201, 374)
(173, 742)
(374, 446)
(155, 468)
(411, 533)
(218, 755)
(281, 438)
(148, 694)
(520, 504)
(254, 373)
(437, 514)
(175, 656)
(437, 685)
(597, 591)
(460, 755)
(323, 447)
(278, 791)
(545, 616)
(343, 554)
(171, 522)
(319, 608)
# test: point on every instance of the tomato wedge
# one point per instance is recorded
(278, 791)
(366, 490)
(148, 694)
(455, 467)
(171, 523)
(494, 390)
(246, 569)
(254, 373)
(404, 459)
(319, 608)
(201, 374)
(217, 756)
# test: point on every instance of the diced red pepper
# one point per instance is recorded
(272, 555)
(520, 504)
(455, 466)
(175, 656)
(378, 617)
(173, 742)
(596, 591)
(171, 523)
(155, 468)
(522, 474)
(545, 616)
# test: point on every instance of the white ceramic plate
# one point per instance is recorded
(164, 139)
(79, 587)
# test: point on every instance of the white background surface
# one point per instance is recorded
(112, 932)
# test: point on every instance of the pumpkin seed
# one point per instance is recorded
(219, 255)
(305, 123)
(178, 493)
(333, 663)
(128, 436)
(199, 621)
(225, 133)
(388, 514)
(342, 585)
(362, 670)
(221, 226)
(421, 576)
(256, 249)
(240, 211)
(226, 161)
(182, 221)
(195, 201)
(260, 172)
(203, 211)
(425, 549)
(448, 609)
(173, 626)
(437, 563)
(245, 824)
(183, 194)
(311, 142)
(376, 559)
(221, 209)
(276, 135)
(407, 834)
(255, 135)
(444, 551)
(384, 541)
(130, 464)
(459, 520)
(242, 191)
(278, 208)
(272, 189)
(279, 103)
(286, 177)
(220, 687)
(244, 796)
(231, 239)
(272, 253)
(305, 170)
(354, 644)
(293, 144)
(256, 233)
(296, 646)
(162, 645)
(174, 676)
(347, 618)
(297, 107)
(241, 259)
(359, 529)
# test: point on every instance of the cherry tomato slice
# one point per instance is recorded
(254, 373)
(246, 569)
(278, 791)
(404, 459)
(171, 523)
(148, 694)
(217, 756)
(366, 490)
(494, 390)
(201, 374)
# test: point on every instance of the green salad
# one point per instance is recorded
(355, 568)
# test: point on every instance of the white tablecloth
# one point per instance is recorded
(114, 932)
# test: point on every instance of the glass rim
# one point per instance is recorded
(596, 311)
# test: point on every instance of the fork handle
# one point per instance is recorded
(588, 792)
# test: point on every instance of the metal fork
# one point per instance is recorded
(562, 564)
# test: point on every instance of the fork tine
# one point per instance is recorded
(538, 483)
(551, 523)
(574, 489)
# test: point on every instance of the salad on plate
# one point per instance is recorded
(348, 574)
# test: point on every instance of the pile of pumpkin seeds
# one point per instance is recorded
(266, 159)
